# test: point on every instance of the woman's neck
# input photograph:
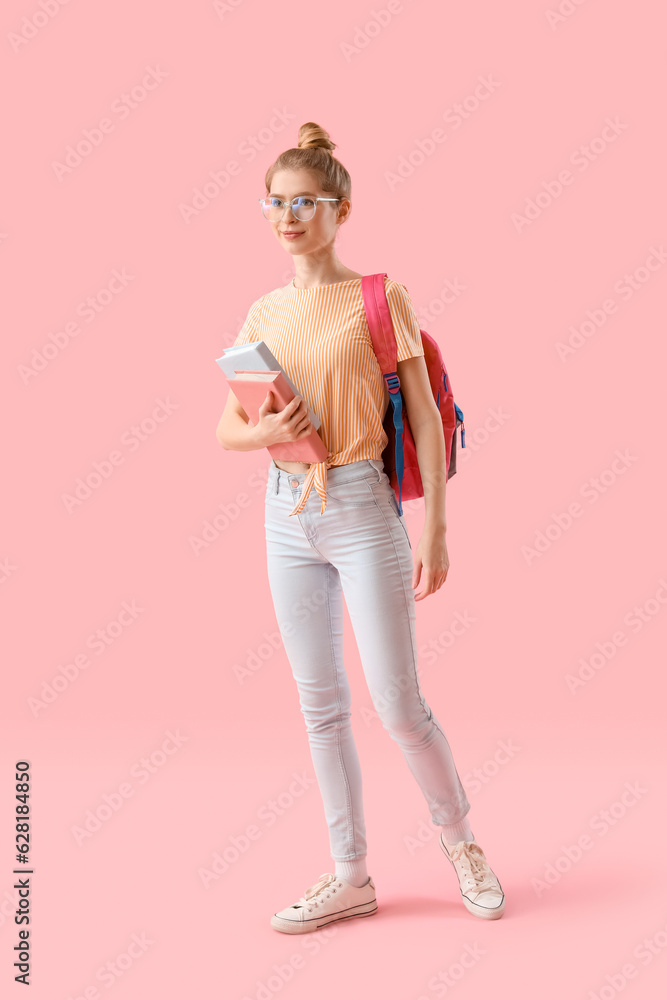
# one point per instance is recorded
(310, 274)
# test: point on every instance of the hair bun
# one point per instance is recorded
(312, 135)
(314, 155)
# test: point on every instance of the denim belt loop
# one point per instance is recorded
(278, 471)
(378, 466)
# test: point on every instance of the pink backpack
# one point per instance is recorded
(400, 454)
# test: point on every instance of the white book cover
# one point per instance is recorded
(256, 356)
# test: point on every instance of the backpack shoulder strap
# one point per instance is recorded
(384, 345)
(381, 327)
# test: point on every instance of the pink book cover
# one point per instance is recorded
(251, 390)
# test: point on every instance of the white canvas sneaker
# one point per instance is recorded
(331, 898)
(481, 891)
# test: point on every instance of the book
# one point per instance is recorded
(250, 388)
(256, 356)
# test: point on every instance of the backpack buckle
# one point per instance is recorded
(392, 382)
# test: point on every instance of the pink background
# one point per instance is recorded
(219, 76)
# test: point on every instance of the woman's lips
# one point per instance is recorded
(291, 236)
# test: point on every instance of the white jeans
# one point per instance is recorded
(359, 548)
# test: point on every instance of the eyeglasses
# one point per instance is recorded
(303, 207)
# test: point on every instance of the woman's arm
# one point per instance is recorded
(426, 427)
(236, 433)
(234, 430)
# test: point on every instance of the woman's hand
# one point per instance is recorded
(431, 556)
(289, 424)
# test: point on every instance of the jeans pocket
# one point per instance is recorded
(354, 493)
(393, 501)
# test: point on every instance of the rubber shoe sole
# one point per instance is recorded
(487, 912)
(296, 919)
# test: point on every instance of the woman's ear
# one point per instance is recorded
(344, 210)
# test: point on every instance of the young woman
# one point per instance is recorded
(333, 529)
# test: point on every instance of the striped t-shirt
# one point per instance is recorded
(320, 337)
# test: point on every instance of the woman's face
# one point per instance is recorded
(319, 232)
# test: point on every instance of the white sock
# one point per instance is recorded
(354, 871)
(454, 832)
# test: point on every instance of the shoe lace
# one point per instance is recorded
(473, 859)
(323, 884)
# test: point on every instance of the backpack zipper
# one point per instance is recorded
(459, 414)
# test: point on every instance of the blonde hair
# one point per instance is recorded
(314, 152)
